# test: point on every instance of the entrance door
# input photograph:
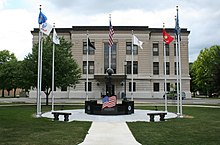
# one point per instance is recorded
(110, 89)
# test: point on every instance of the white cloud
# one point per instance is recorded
(201, 17)
(15, 32)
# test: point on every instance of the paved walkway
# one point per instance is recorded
(109, 129)
(109, 133)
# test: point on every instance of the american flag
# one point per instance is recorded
(108, 102)
(111, 33)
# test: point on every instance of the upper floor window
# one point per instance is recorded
(174, 45)
(128, 49)
(91, 68)
(113, 57)
(155, 49)
(156, 68)
(91, 50)
(167, 68)
(135, 67)
(167, 49)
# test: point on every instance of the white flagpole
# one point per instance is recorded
(38, 114)
(109, 65)
(41, 57)
(180, 70)
(177, 74)
(38, 76)
(87, 66)
(165, 73)
(132, 63)
(53, 70)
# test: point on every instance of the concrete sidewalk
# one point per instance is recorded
(109, 133)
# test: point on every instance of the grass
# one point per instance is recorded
(19, 127)
(200, 127)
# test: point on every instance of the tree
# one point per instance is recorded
(7, 68)
(67, 71)
(206, 70)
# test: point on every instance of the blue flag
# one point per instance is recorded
(42, 18)
(177, 26)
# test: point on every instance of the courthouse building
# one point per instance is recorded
(148, 74)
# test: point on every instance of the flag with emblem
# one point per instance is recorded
(56, 39)
(166, 37)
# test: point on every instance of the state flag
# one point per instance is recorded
(41, 18)
(46, 28)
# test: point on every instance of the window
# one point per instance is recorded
(175, 68)
(168, 87)
(167, 49)
(91, 50)
(167, 68)
(156, 49)
(90, 67)
(174, 49)
(113, 57)
(128, 49)
(89, 86)
(134, 86)
(156, 87)
(135, 67)
(156, 68)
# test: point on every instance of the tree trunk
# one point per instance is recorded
(8, 92)
(3, 92)
(14, 92)
(47, 98)
(47, 93)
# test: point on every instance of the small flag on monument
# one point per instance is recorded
(108, 102)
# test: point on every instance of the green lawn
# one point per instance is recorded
(19, 127)
(200, 127)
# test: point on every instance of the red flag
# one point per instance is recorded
(166, 37)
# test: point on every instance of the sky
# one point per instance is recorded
(19, 17)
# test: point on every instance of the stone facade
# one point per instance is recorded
(148, 84)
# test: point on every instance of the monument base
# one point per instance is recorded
(92, 107)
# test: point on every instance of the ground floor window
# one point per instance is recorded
(89, 86)
(156, 87)
(134, 86)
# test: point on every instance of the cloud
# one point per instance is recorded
(201, 17)
(15, 32)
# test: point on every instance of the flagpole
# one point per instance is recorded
(41, 57)
(87, 65)
(38, 114)
(177, 73)
(132, 63)
(53, 69)
(180, 68)
(165, 73)
(109, 65)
